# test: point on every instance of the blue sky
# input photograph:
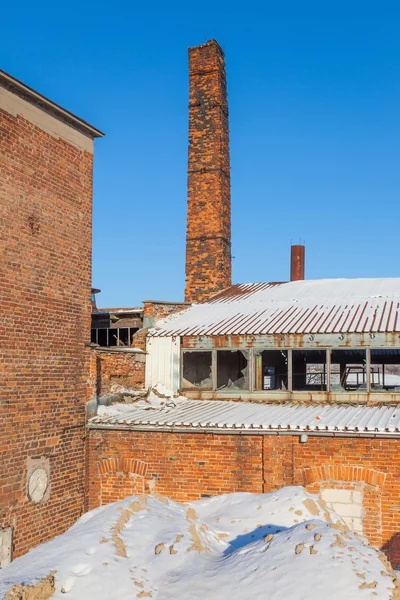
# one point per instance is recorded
(314, 97)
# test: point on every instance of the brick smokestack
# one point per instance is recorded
(208, 237)
(297, 261)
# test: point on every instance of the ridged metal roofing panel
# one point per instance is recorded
(205, 414)
(297, 307)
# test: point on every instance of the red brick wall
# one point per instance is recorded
(181, 466)
(160, 310)
(45, 282)
(124, 368)
(186, 466)
(208, 238)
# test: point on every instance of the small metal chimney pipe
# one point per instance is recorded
(297, 261)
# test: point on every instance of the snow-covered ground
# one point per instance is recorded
(278, 546)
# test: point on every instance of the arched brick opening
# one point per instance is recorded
(120, 478)
(353, 485)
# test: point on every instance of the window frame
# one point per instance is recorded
(251, 361)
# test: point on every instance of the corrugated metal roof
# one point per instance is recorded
(241, 291)
(244, 416)
(298, 307)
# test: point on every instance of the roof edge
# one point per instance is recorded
(34, 97)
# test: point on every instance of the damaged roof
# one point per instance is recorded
(295, 307)
(184, 414)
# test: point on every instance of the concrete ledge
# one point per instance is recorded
(118, 350)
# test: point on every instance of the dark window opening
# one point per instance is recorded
(309, 370)
(93, 336)
(271, 370)
(348, 370)
(102, 337)
(196, 371)
(123, 336)
(232, 370)
(385, 370)
(113, 337)
(132, 333)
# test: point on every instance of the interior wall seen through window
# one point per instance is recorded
(271, 370)
(232, 370)
(196, 370)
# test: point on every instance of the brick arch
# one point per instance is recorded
(120, 478)
(127, 466)
(348, 473)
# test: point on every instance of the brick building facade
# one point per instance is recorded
(46, 162)
(359, 476)
(260, 342)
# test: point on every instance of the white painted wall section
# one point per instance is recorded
(5, 547)
(163, 362)
(348, 504)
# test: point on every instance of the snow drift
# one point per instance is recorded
(282, 545)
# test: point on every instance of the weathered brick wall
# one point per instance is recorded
(45, 282)
(187, 466)
(125, 368)
(154, 311)
(208, 238)
(181, 466)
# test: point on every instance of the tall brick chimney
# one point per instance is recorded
(208, 237)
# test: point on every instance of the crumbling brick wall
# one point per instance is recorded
(45, 282)
(122, 367)
(187, 466)
(154, 311)
(208, 237)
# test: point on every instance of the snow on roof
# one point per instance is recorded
(309, 306)
(183, 413)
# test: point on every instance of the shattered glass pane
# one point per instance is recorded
(196, 371)
(232, 370)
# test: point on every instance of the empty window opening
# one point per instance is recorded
(232, 370)
(123, 336)
(309, 370)
(348, 370)
(102, 337)
(113, 337)
(271, 370)
(385, 370)
(197, 371)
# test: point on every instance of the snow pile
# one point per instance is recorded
(282, 545)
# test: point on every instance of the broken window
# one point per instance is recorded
(309, 370)
(385, 370)
(271, 370)
(196, 370)
(232, 370)
(348, 370)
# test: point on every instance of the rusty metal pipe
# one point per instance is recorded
(297, 262)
